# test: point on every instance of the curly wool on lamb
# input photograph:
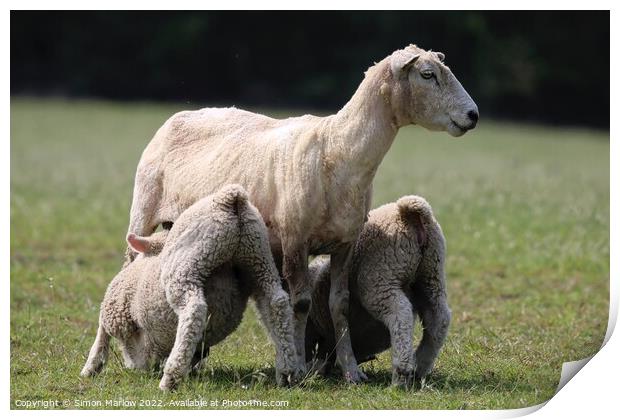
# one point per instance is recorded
(190, 286)
(397, 273)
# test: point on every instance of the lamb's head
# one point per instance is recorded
(425, 92)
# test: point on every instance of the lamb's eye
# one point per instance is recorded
(427, 74)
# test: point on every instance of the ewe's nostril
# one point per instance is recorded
(473, 115)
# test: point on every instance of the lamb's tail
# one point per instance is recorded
(414, 204)
(232, 196)
(416, 211)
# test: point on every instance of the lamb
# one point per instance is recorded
(397, 272)
(310, 177)
(191, 285)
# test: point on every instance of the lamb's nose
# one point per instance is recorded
(473, 116)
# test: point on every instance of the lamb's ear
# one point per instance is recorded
(441, 56)
(138, 243)
(401, 62)
(409, 62)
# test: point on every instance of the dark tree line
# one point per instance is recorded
(548, 66)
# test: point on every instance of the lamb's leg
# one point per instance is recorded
(98, 353)
(135, 351)
(295, 272)
(200, 356)
(393, 308)
(191, 307)
(275, 311)
(431, 302)
(339, 308)
(435, 321)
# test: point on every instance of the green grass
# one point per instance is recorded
(525, 211)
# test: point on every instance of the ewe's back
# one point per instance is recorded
(209, 125)
(197, 152)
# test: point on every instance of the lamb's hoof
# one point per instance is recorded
(402, 379)
(288, 378)
(167, 383)
(86, 372)
(284, 379)
(421, 373)
(90, 370)
(355, 376)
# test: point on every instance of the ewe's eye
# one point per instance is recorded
(427, 74)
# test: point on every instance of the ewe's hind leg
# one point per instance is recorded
(147, 194)
(191, 307)
(392, 307)
(98, 354)
(340, 266)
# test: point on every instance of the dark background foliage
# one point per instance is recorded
(545, 66)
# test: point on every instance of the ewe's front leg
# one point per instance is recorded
(339, 308)
(295, 272)
(189, 303)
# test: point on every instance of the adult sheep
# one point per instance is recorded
(310, 177)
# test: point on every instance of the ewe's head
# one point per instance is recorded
(425, 92)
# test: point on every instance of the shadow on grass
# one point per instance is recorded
(248, 377)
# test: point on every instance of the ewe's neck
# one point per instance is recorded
(361, 133)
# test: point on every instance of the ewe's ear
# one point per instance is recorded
(401, 62)
(441, 56)
(138, 243)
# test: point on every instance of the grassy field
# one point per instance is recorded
(525, 211)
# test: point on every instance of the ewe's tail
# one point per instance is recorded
(232, 195)
(416, 211)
